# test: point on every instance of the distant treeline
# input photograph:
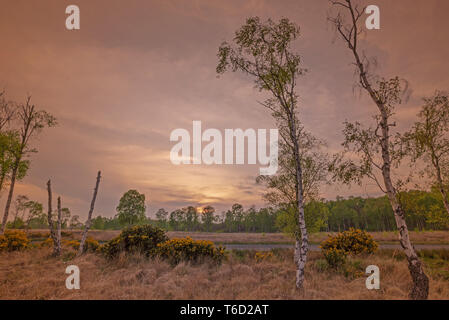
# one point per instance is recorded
(424, 211)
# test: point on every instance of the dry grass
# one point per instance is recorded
(34, 275)
(425, 237)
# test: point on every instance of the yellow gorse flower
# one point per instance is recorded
(261, 256)
(13, 240)
(178, 249)
(352, 241)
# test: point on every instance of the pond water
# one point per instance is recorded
(316, 247)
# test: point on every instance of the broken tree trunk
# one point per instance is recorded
(89, 217)
(56, 251)
(58, 233)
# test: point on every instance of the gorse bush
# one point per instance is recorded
(152, 242)
(90, 245)
(138, 239)
(335, 257)
(353, 241)
(262, 256)
(187, 249)
(350, 242)
(46, 243)
(13, 240)
(74, 244)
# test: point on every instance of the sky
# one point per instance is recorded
(136, 70)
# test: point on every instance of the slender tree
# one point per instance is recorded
(281, 191)
(7, 111)
(51, 225)
(74, 222)
(175, 220)
(263, 51)
(35, 211)
(89, 216)
(375, 146)
(161, 216)
(190, 215)
(65, 217)
(20, 205)
(281, 186)
(131, 208)
(9, 142)
(207, 217)
(31, 122)
(429, 140)
(58, 228)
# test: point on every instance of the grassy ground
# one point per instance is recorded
(33, 274)
(425, 237)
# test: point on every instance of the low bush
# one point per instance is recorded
(353, 241)
(262, 256)
(138, 239)
(353, 269)
(90, 244)
(187, 249)
(13, 240)
(47, 243)
(350, 242)
(335, 257)
(74, 244)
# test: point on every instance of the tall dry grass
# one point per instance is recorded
(34, 275)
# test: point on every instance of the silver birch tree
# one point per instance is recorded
(375, 147)
(262, 50)
(429, 141)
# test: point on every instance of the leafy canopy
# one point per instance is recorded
(131, 208)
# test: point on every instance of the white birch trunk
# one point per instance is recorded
(301, 237)
(420, 289)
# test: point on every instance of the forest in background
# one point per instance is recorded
(424, 211)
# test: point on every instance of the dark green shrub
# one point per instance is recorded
(137, 239)
(187, 249)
